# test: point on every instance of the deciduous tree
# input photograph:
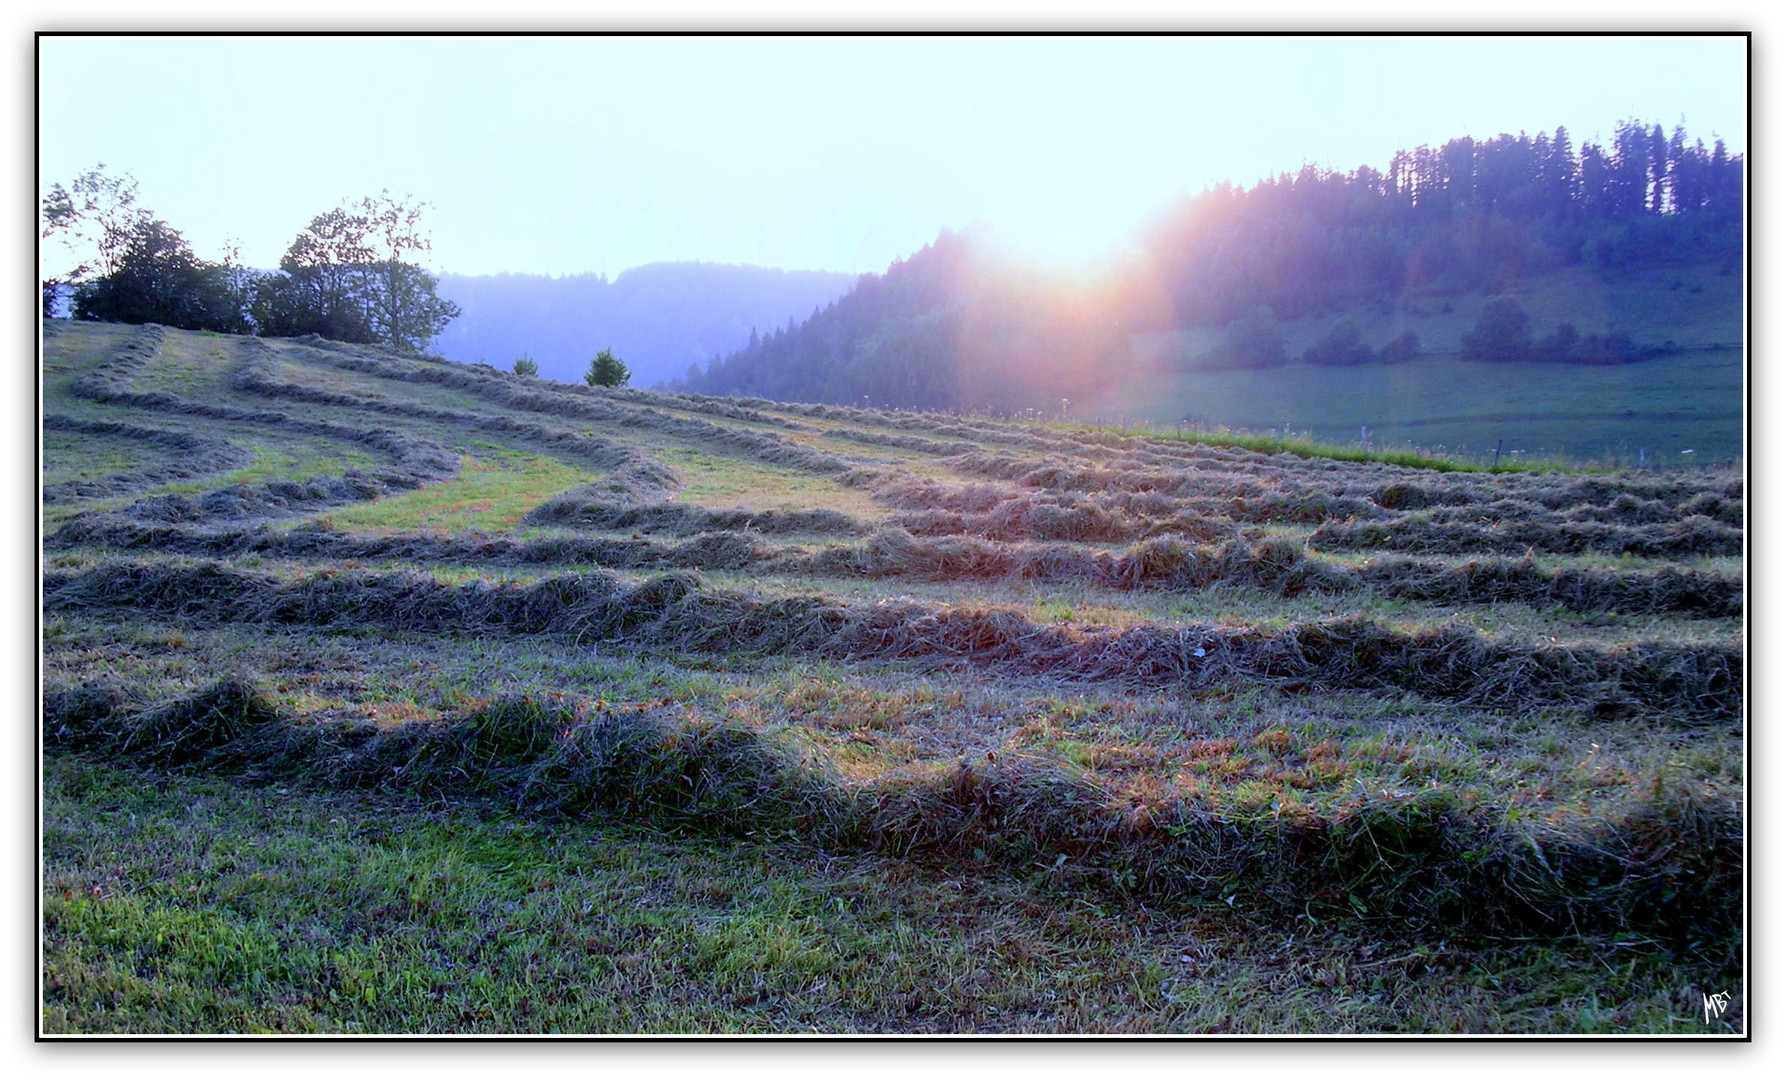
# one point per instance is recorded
(155, 277)
(347, 277)
(91, 220)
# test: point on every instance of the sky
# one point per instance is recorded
(563, 155)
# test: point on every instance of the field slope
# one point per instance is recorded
(389, 694)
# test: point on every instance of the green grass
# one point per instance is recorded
(190, 365)
(185, 905)
(729, 483)
(1307, 448)
(492, 492)
(70, 456)
(1459, 411)
(74, 352)
(277, 460)
(1448, 409)
(273, 458)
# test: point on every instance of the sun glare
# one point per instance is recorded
(1063, 240)
(1068, 230)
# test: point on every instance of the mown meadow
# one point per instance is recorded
(386, 695)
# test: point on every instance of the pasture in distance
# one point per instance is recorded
(384, 694)
(1684, 407)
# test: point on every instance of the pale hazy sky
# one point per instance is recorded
(570, 154)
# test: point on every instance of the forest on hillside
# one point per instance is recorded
(956, 327)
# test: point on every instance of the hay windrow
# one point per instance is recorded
(1167, 563)
(198, 457)
(1690, 684)
(586, 403)
(414, 461)
(1669, 866)
(635, 476)
(1681, 538)
(594, 508)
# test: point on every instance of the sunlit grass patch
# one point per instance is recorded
(278, 461)
(492, 492)
(727, 483)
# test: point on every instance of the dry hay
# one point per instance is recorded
(1682, 538)
(586, 508)
(1669, 865)
(110, 382)
(386, 363)
(414, 461)
(324, 543)
(1275, 566)
(1680, 683)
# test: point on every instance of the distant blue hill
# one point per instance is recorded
(659, 318)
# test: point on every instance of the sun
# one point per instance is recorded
(1068, 226)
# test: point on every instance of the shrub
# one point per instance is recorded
(1252, 341)
(1503, 333)
(1401, 348)
(1342, 344)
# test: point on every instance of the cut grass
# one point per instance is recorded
(183, 905)
(492, 493)
(1076, 604)
(277, 461)
(1306, 756)
(730, 483)
(71, 351)
(190, 365)
(556, 756)
(887, 719)
(69, 456)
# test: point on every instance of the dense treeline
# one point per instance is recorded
(951, 328)
(1466, 216)
(346, 276)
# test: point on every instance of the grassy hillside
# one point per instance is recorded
(385, 694)
(1690, 401)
